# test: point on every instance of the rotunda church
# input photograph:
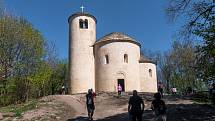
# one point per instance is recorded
(105, 63)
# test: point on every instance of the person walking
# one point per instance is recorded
(63, 90)
(90, 104)
(159, 108)
(136, 107)
(174, 91)
(160, 90)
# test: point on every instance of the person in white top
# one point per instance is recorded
(174, 90)
(119, 88)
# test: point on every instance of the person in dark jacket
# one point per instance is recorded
(159, 108)
(90, 104)
(160, 90)
(136, 107)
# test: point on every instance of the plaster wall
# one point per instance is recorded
(81, 58)
(107, 74)
(148, 82)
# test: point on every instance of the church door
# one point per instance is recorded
(122, 83)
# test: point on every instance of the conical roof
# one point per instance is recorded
(81, 14)
(117, 36)
(143, 59)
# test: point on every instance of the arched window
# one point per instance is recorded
(83, 24)
(106, 59)
(86, 24)
(150, 72)
(126, 58)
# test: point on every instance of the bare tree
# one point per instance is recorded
(193, 11)
(199, 18)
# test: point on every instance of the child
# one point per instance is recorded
(159, 107)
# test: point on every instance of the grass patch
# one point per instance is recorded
(20, 108)
(201, 97)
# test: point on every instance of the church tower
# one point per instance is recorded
(82, 36)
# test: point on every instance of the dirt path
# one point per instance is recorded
(110, 107)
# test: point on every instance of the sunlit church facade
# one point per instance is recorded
(102, 64)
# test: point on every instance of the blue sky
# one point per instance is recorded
(143, 20)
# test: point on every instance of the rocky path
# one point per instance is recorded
(110, 107)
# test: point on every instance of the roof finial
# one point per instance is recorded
(82, 8)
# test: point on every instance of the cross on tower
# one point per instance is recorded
(82, 8)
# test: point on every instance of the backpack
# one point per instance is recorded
(89, 100)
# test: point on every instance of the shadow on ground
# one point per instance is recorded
(190, 112)
(80, 118)
(147, 116)
(175, 112)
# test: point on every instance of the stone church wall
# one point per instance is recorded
(148, 79)
(81, 58)
(107, 74)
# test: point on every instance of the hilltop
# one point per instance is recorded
(110, 107)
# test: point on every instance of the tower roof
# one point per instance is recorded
(81, 14)
(117, 36)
